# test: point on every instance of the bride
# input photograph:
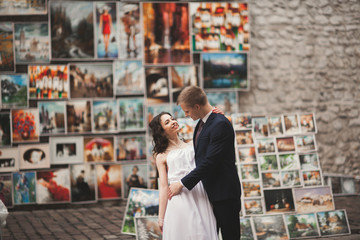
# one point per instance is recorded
(188, 215)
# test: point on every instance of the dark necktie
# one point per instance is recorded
(201, 125)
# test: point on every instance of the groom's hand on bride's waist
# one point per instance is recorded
(174, 189)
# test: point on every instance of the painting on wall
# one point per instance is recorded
(263, 224)
(78, 116)
(31, 42)
(66, 150)
(25, 125)
(109, 181)
(52, 117)
(135, 176)
(302, 225)
(9, 159)
(131, 114)
(15, 7)
(333, 222)
(14, 90)
(241, 121)
(157, 85)
(313, 199)
(34, 156)
(129, 77)
(6, 192)
(83, 185)
(130, 148)
(246, 229)
(104, 116)
(291, 123)
(7, 60)
(226, 101)
(181, 77)
(5, 130)
(71, 30)
(307, 123)
(24, 187)
(253, 206)
(275, 126)
(279, 200)
(99, 149)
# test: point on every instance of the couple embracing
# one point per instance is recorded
(204, 191)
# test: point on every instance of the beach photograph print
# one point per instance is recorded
(25, 125)
(14, 90)
(129, 77)
(72, 30)
(7, 63)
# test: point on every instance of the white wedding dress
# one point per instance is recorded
(189, 215)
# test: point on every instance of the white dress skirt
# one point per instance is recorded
(189, 215)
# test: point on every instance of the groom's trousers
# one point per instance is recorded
(227, 218)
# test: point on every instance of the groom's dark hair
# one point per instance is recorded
(192, 95)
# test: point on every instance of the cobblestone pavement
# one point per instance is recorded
(103, 221)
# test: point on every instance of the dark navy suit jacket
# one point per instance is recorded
(215, 160)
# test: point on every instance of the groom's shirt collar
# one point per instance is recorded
(204, 119)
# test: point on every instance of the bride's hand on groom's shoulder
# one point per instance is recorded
(217, 110)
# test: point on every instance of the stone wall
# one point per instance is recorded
(305, 57)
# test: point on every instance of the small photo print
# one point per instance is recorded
(285, 144)
(305, 143)
(251, 189)
(181, 77)
(130, 148)
(14, 91)
(265, 145)
(271, 179)
(253, 206)
(302, 225)
(33, 156)
(290, 178)
(249, 172)
(226, 101)
(157, 85)
(279, 200)
(52, 117)
(25, 125)
(309, 161)
(53, 186)
(268, 162)
(244, 137)
(247, 155)
(307, 123)
(129, 78)
(241, 121)
(270, 227)
(104, 116)
(6, 192)
(260, 126)
(291, 124)
(333, 223)
(131, 114)
(312, 178)
(147, 228)
(99, 149)
(78, 116)
(9, 161)
(109, 181)
(246, 229)
(83, 185)
(67, 150)
(289, 161)
(5, 130)
(313, 199)
(135, 176)
(275, 126)
(24, 187)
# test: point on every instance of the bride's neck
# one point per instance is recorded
(175, 141)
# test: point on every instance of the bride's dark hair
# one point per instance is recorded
(160, 140)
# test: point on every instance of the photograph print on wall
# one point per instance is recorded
(14, 90)
(7, 60)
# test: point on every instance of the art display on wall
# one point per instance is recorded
(9, 159)
(302, 225)
(99, 149)
(226, 101)
(157, 85)
(14, 7)
(104, 116)
(130, 148)
(83, 185)
(78, 116)
(67, 150)
(52, 117)
(25, 125)
(135, 176)
(181, 77)
(7, 60)
(109, 181)
(6, 192)
(333, 223)
(131, 114)
(5, 130)
(34, 156)
(24, 187)
(14, 90)
(129, 78)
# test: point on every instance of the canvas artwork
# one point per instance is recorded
(181, 77)
(7, 60)
(6, 193)
(313, 199)
(106, 30)
(220, 27)
(71, 30)
(260, 126)
(249, 172)
(290, 178)
(24, 187)
(289, 161)
(187, 128)
(271, 179)
(135, 176)
(90, 80)
(66, 150)
(31, 42)
(241, 121)
(104, 116)
(129, 77)
(9, 159)
(130, 148)
(307, 123)
(157, 85)
(226, 101)
(53, 186)
(312, 178)
(265, 145)
(246, 229)
(268, 162)
(291, 124)
(253, 206)
(302, 225)
(305, 143)
(25, 125)
(99, 149)
(130, 34)
(270, 227)
(285, 144)
(275, 126)
(14, 90)
(153, 174)
(141, 203)
(309, 161)
(251, 189)
(244, 137)
(131, 114)
(177, 111)
(78, 116)
(152, 111)
(147, 228)
(52, 117)
(225, 71)
(48, 81)
(16, 7)
(333, 223)
(247, 155)
(166, 42)
(109, 181)
(83, 185)
(5, 130)
(34, 156)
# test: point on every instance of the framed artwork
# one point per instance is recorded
(152, 111)
(166, 42)
(99, 149)
(25, 125)
(241, 121)
(247, 155)
(66, 150)
(305, 143)
(9, 159)
(6, 192)
(302, 225)
(249, 172)
(187, 127)
(104, 116)
(52, 117)
(253, 206)
(135, 176)
(78, 116)
(313, 199)
(13, 7)
(130, 34)
(141, 203)
(157, 85)
(181, 77)
(268, 162)
(24, 187)
(131, 114)
(71, 30)
(34, 156)
(309, 161)
(129, 77)
(333, 222)
(285, 144)
(7, 60)
(312, 178)
(106, 30)
(5, 130)
(53, 186)
(109, 181)
(289, 161)
(177, 111)
(275, 126)
(83, 185)
(291, 123)
(251, 189)
(226, 101)
(271, 179)
(91, 80)
(14, 90)
(260, 126)
(308, 123)
(225, 71)
(265, 145)
(263, 224)
(220, 27)
(246, 229)
(31, 42)
(48, 81)
(147, 228)
(290, 178)
(244, 137)
(130, 148)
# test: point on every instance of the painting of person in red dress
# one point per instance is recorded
(105, 26)
(52, 187)
(109, 181)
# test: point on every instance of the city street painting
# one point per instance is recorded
(104, 116)
(67, 150)
(83, 185)
(302, 225)
(313, 199)
(275, 126)
(7, 60)
(291, 123)
(34, 156)
(129, 77)
(78, 116)
(109, 181)
(25, 125)
(181, 77)
(24, 187)
(14, 90)
(270, 227)
(131, 114)
(226, 101)
(260, 126)
(52, 117)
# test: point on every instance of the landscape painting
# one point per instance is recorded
(131, 114)
(333, 223)
(302, 225)
(7, 63)
(14, 90)
(313, 199)
(16, 7)
(270, 227)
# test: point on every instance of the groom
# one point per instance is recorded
(215, 161)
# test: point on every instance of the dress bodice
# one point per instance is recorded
(180, 162)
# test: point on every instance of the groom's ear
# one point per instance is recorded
(197, 107)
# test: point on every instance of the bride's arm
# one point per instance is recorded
(163, 187)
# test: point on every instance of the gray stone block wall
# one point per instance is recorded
(305, 57)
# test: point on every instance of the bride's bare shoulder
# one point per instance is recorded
(161, 157)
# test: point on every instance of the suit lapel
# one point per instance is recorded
(208, 122)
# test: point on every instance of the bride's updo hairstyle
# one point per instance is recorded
(160, 140)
